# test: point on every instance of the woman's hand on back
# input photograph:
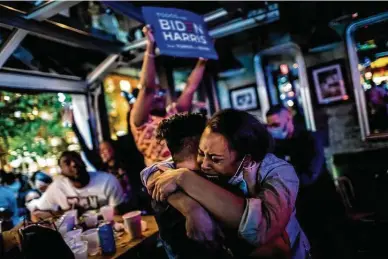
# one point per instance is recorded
(202, 228)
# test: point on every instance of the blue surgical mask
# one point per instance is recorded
(238, 178)
(278, 132)
(236, 185)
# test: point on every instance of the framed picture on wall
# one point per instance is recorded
(329, 82)
(244, 98)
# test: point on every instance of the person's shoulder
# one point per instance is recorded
(101, 176)
(271, 159)
(59, 180)
(271, 162)
(166, 163)
(313, 138)
(6, 191)
(272, 165)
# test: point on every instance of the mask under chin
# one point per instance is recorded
(222, 181)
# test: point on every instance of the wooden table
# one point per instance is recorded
(124, 245)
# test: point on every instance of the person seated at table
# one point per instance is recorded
(79, 189)
(108, 159)
(182, 133)
(235, 148)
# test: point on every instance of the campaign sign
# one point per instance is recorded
(180, 33)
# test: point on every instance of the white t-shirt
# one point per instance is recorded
(103, 189)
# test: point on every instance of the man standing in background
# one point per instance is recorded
(319, 209)
(150, 107)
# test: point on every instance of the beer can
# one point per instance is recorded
(107, 238)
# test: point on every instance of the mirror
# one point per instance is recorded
(367, 43)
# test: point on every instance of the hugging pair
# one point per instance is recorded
(210, 190)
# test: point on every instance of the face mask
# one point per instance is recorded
(238, 178)
(278, 133)
(223, 181)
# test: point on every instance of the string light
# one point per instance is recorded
(61, 97)
(46, 116)
(17, 114)
(290, 103)
(125, 85)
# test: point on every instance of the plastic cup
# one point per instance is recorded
(71, 217)
(69, 241)
(74, 234)
(80, 250)
(107, 213)
(132, 224)
(63, 229)
(91, 236)
(91, 220)
(62, 225)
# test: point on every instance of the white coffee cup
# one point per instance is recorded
(91, 236)
(132, 224)
(107, 213)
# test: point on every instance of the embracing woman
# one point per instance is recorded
(235, 149)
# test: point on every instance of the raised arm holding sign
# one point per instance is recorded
(150, 107)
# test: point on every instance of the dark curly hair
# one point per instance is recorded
(276, 109)
(245, 134)
(182, 133)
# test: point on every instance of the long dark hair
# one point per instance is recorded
(245, 134)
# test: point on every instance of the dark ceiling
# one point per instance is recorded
(295, 17)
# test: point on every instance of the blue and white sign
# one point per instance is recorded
(180, 33)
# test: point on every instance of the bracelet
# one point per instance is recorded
(149, 55)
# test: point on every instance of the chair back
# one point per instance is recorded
(5, 219)
(345, 188)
